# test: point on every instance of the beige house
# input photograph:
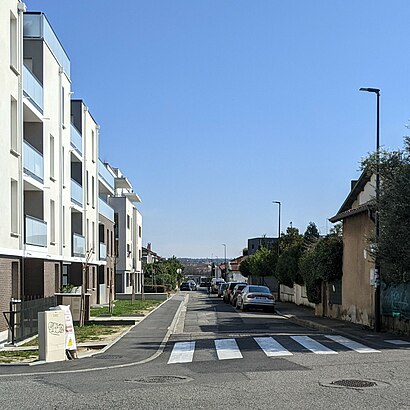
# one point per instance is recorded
(356, 303)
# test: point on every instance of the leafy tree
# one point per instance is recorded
(392, 247)
(263, 262)
(311, 234)
(245, 267)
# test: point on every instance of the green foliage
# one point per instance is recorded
(311, 234)
(245, 252)
(392, 248)
(165, 272)
(245, 267)
(263, 262)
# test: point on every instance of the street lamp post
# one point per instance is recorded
(226, 269)
(280, 204)
(377, 278)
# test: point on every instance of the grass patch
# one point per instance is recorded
(93, 333)
(18, 355)
(127, 308)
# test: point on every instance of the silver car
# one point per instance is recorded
(257, 297)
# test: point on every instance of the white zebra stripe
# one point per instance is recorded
(271, 347)
(351, 344)
(183, 352)
(227, 349)
(312, 345)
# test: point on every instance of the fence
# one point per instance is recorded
(22, 317)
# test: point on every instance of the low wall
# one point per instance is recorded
(296, 295)
(138, 296)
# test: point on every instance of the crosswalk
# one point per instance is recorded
(228, 349)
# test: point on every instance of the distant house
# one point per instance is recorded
(255, 243)
(353, 298)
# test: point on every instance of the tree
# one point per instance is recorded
(263, 262)
(245, 267)
(311, 234)
(392, 247)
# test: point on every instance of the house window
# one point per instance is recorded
(13, 41)
(93, 192)
(52, 160)
(93, 236)
(62, 106)
(88, 235)
(65, 275)
(92, 145)
(13, 125)
(62, 167)
(128, 221)
(14, 206)
(86, 188)
(52, 222)
(140, 231)
(63, 228)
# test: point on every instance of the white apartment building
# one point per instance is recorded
(57, 225)
(128, 235)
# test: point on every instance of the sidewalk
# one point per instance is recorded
(305, 316)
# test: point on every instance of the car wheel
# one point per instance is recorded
(244, 308)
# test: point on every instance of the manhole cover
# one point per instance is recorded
(108, 356)
(354, 383)
(160, 379)
(359, 384)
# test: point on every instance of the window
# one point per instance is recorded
(140, 231)
(63, 166)
(139, 255)
(57, 277)
(86, 188)
(88, 235)
(128, 221)
(13, 41)
(13, 125)
(93, 145)
(62, 106)
(93, 192)
(15, 280)
(52, 163)
(28, 62)
(63, 226)
(14, 206)
(93, 236)
(65, 275)
(52, 222)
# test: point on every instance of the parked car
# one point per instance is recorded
(185, 286)
(221, 289)
(236, 291)
(228, 291)
(254, 296)
(215, 284)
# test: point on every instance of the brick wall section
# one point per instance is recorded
(5, 289)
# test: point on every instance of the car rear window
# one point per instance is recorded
(261, 289)
(232, 285)
(240, 287)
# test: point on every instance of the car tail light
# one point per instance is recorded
(250, 296)
(270, 297)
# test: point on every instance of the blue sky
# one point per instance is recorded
(215, 108)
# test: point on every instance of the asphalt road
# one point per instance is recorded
(196, 352)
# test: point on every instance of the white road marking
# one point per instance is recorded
(183, 352)
(398, 342)
(271, 347)
(351, 344)
(227, 349)
(312, 345)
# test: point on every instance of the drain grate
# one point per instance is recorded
(353, 383)
(160, 379)
(108, 356)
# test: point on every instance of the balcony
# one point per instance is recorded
(78, 245)
(76, 193)
(33, 90)
(76, 140)
(105, 174)
(103, 251)
(33, 162)
(35, 232)
(36, 25)
(105, 210)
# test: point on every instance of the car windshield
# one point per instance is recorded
(260, 289)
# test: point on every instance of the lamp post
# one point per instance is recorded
(226, 269)
(377, 279)
(280, 204)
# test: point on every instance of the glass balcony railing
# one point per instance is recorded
(32, 88)
(78, 245)
(76, 193)
(36, 231)
(105, 210)
(36, 25)
(76, 140)
(33, 162)
(103, 251)
(105, 174)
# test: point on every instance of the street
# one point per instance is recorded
(218, 357)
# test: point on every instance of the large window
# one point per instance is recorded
(52, 158)
(13, 41)
(52, 221)
(13, 125)
(14, 206)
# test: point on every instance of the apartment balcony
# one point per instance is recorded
(76, 193)
(33, 162)
(33, 89)
(105, 175)
(105, 210)
(78, 245)
(76, 140)
(103, 251)
(36, 25)
(35, 232)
